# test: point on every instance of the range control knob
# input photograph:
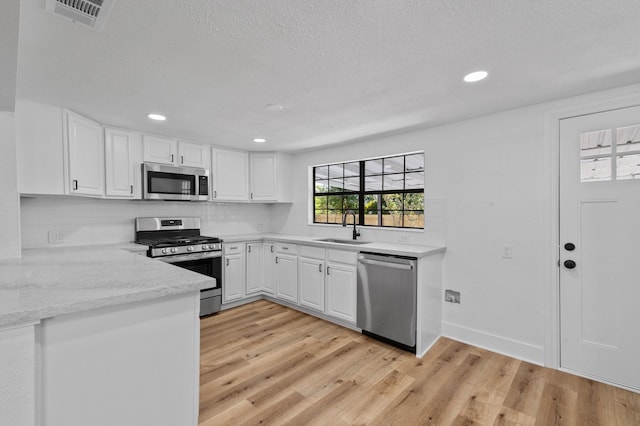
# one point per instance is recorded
(189, 248)
(204, 247)
(174, 250)
(211, 246)
(164, 251)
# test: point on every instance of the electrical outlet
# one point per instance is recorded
(55, 237)
(452, 296)
(507, 251)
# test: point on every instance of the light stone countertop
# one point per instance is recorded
(399, 249)
(46, 283)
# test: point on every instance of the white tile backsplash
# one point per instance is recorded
(87, 221)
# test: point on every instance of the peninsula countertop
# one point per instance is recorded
(45, 283)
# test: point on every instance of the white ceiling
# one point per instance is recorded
(342, 69)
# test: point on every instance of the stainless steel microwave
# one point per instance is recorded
(162, 182)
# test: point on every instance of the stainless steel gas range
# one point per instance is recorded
(178, 241)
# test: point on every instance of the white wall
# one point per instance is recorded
(483, 190)
(86, 221)
(488, 183)
(9, 206)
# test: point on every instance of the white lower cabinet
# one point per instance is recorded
(341, 286)
(311, 266)
(322, 280)
(268, 267)
(312, 283)
(233, 282)
(254, 282)
(286, 272)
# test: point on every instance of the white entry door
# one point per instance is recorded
(600, 245)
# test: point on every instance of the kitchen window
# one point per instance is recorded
(385, 192)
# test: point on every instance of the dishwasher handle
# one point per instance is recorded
(405, 267)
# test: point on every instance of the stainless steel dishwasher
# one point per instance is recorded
(387, 298)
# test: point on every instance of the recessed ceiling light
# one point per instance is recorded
(274, 107)
(259, 140)
(157, 117)
(475, 76)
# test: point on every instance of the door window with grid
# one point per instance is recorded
(384, 192)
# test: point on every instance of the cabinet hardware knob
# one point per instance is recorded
(131, 189)
(320, 267)
(569, 264)
(569, 247)
(227, 262)
(75, 184)
(271, 249)
(182, 159)
(249, 248)
(276, 259)
(172, 158)
(328, 270)
(215, 194)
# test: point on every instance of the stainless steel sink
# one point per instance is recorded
(335, 240)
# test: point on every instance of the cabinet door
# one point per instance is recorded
(269, 259)
(85, 146)
(264, 177)
(234, 277)
(159, 150)
(341, 291)
(312, 283)
(193, 155)
(229, 171)
(254, 268)
(287, 277)
(119, 173)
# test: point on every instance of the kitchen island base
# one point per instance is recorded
(130, 364)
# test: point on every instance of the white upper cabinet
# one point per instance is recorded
(39, 148)
(85, 155)
(270, 175)
(170, 151)
(122, 163)
(160, 150)
(193, 155)
(229, 175)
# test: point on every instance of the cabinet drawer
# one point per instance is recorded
(341, 256)
(287, 248)
(313, 252)
(233, 248)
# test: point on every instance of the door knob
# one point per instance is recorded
(569, 247)
(569, 264)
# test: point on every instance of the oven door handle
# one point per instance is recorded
(192, 256)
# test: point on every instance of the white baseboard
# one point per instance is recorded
(424, 352)
(494, 343)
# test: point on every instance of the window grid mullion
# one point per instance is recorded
(362, 193)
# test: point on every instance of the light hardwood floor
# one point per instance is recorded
(263, 363)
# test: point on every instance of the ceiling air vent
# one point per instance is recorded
(91, 13)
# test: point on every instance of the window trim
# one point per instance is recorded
(362, 193)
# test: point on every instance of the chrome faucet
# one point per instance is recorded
(356, 234)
